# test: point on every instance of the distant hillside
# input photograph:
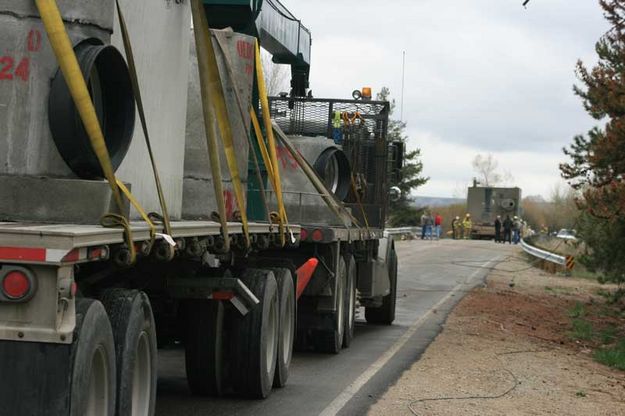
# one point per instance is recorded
(429, 201)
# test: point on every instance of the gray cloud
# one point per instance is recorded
(486, 76)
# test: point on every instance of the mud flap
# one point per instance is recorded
(35, 378)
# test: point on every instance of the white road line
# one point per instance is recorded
(350, 391)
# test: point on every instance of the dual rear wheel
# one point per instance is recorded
(245, 355)
(349, 315)
(385, 314)
(340, 331)
(114, 356)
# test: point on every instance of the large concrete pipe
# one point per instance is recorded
(199, 196)
(302, 201)
(27, 66)
(43, 153)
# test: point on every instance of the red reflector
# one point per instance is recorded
(303, 235)
(73, 255)
(317, 235)
(73, 289)
(97, 253)
(223, 295)
(15, 285)
(23, 254)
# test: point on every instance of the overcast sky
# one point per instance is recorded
(482, 76)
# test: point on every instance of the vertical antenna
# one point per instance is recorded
(403, 82)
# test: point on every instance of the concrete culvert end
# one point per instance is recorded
(108, 80)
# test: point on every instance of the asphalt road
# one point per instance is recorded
(433, 277)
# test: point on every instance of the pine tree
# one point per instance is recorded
(402, 212)
(597, 165)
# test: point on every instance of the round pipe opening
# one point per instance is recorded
(108, 81)
(333, 168)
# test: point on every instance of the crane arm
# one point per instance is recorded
(277, 29)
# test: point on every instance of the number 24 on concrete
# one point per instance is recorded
(9, 71)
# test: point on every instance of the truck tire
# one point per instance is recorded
(203, 344)
(331, 340)
(93, 356)
(349, 311)
(385, 314)
(286, 325)
(134, 333)
(255, 338)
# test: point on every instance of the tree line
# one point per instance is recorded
(596, 166)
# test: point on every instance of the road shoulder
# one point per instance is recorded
(507, 349)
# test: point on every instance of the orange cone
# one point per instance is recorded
(304, 274)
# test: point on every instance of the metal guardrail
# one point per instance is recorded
(414, 231)
(543, 254)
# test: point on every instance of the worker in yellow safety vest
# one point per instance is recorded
(337, 132)
(467, 225)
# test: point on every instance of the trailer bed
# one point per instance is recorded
(74, 235)
(50, 243)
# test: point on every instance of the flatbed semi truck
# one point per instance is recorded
(240, 266)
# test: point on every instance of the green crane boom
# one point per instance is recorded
(278, 31)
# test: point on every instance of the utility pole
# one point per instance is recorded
(403, 83)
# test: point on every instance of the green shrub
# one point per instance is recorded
(612, 356)
(578, 311)
(582, 330)
(608, 334)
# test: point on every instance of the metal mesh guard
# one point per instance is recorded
(314, 117)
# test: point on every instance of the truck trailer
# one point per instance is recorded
(485, 203)
(152, 195)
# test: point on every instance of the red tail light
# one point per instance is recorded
(317, 236)
(16, 285)
(223, 295)
(303, 234)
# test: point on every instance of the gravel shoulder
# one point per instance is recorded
(507, 349)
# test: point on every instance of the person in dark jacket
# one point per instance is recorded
(429, 226)
(517, 227)
(423, 225)
(455, 227)
(498, 229)
(507, 230)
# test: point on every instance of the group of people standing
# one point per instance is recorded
(509, 230)
(431, 226)
(461, 229)
(512, 228)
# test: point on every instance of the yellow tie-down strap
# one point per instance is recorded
(242, 112)
(280, 216)
(270, 156)
(263, 147)
(144, 125)
(201, 34)
(66, 57)
(209, 71)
